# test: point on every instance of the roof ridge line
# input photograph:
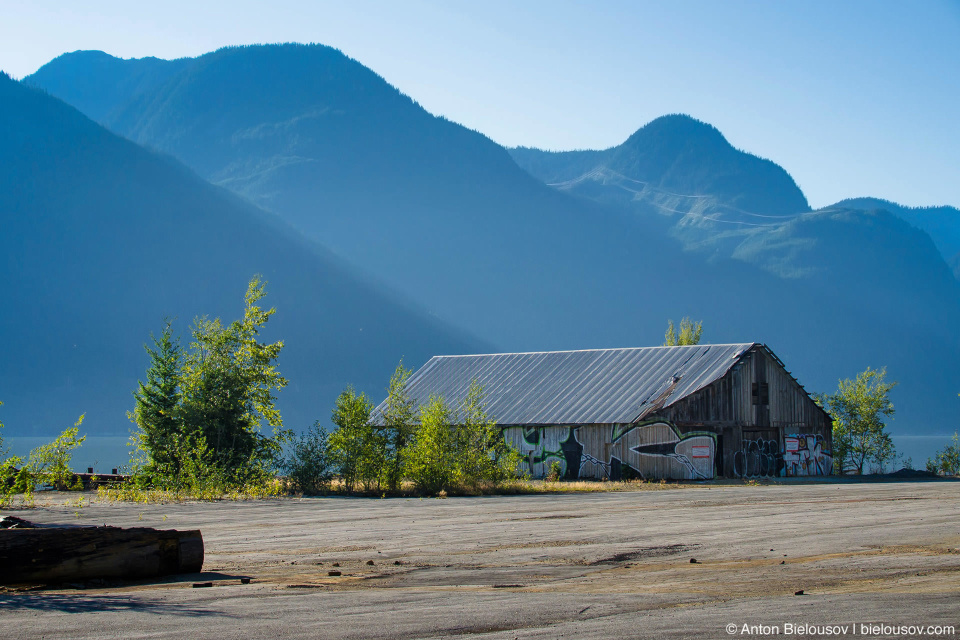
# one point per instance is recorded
(530, 353)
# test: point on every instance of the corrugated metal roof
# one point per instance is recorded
(596, 386)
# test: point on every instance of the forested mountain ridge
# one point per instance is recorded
(102, 240)
(942, 223)
(680, 155)
(444, 215)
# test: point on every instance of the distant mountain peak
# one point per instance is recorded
(678, 127)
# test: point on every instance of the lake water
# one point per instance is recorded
(105, 453)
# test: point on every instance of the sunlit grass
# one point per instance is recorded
(132, 493)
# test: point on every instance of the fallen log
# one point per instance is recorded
(60, 554)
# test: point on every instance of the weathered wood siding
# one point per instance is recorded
(753, 436)
(755, 421)
(653, 449)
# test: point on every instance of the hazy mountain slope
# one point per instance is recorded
(97, 83)
(553, 167)
(679, 155)
(445, 215)
(440, 212)
(102, 239)
(941, 223)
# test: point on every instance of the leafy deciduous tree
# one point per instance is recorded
(49, 464)
(357, 449)
(458, 448)
(858, 408)
(222, 394)
(430, 457)
(483, 454)
(397, 425)
(947, 460)
(689, 333)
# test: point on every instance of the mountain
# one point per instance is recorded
(448, 218)
(439, 212)
(103, 239)
(100, 82)
(707, 192)
(719, 200)
(679, 156)
(941, 223)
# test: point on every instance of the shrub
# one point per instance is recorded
(555, 471)
(49, 464)
(309, 467)
(947, 460)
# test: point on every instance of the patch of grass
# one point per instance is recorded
(132, 493)
(585, 486)
(407, 489)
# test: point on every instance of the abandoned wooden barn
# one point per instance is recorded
(688, 412)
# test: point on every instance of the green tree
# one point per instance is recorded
(201, 412)
(689, 333)
(357, 449)
(309, 466)
(228, 389)
(482, 453)
(858, 409)
(947, 460)
(49, 464)
(10, 473)
(842, 447)
(156, 412)
(429, 458)
(397, 425)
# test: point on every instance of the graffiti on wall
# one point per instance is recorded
(542, 445)
(758, 458)
(802, 455)
(805, 454)
(653, 449)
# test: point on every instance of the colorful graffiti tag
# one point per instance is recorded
(653, 449)
(804, 454)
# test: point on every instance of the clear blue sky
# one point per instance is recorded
(852, 97)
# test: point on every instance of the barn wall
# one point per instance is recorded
(653, 449)
(756, 421)
(766, 423)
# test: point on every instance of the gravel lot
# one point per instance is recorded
(610, 565)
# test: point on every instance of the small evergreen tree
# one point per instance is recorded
(157, 401)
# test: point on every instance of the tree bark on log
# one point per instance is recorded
(83, 553)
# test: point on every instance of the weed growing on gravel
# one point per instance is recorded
(132, 493)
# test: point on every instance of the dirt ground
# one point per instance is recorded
(608, 565)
